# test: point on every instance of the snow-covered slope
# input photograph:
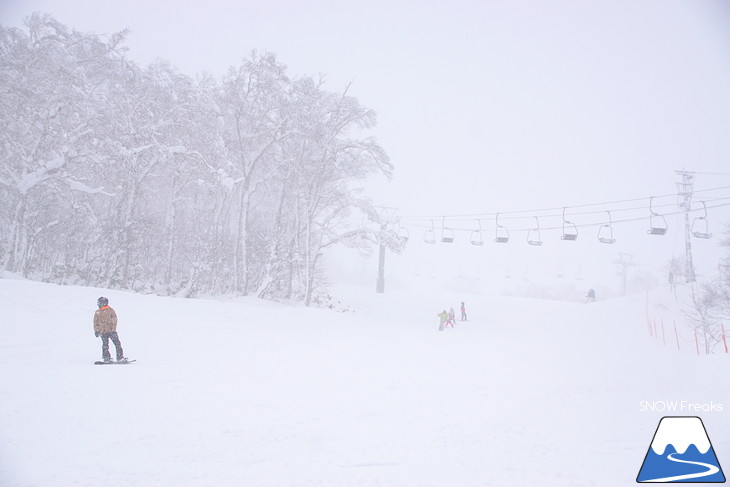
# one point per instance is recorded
(245, 392)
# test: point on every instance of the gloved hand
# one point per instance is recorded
(96, 334)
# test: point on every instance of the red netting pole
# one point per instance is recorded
(724, 341)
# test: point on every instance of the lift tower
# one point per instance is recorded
(684, 201)
(624, 262)
(386, 216)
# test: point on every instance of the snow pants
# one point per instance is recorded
(105, 345)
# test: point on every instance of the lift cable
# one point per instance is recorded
(472, 216)
(582, 225)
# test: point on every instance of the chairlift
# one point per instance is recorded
(605, 232)
(501, 232)
(447, 234)
(703, 230)
(533, 236)
(569, 235)
(403, 234)
(657, 223)
(476, 235)
(429, 236)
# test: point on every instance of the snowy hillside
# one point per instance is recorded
(246, 392)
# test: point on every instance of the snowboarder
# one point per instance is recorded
(463, 311)
(105, 325)
(591, 296)
(443, 316)
(452, 317)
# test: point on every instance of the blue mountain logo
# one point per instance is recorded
(681, 452)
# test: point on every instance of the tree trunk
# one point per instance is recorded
(17, 235)
(273, 266)
(308, 279)
(127, 234)
(172, 228)
(241, 257)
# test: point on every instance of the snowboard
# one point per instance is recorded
(99, 362)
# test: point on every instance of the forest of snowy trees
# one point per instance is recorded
(138, 178)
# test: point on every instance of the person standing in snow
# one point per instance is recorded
(591, 296)
(452, 317)
(463, 311)
(105, 325)
(443, 316)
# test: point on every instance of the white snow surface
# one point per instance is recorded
(233, 392)
(681, 432)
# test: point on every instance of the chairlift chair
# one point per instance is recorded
(476, 236)
(533, 236)
(447, 234)
(703, 230)
(429, 236)
(403, 234)
(657, 223)
(569, 235)
(501, 234)
(605, 232)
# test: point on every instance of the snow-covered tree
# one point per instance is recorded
(252, 96)
(709, 306)
(328, 160)
(147, 179)
(53, 80)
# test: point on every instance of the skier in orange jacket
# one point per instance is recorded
(105, 325)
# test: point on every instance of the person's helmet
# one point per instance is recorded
(102, 301)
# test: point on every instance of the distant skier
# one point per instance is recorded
(452, 317)
(591, 296)
(443, 316)
(463, 311)
(105, 325)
